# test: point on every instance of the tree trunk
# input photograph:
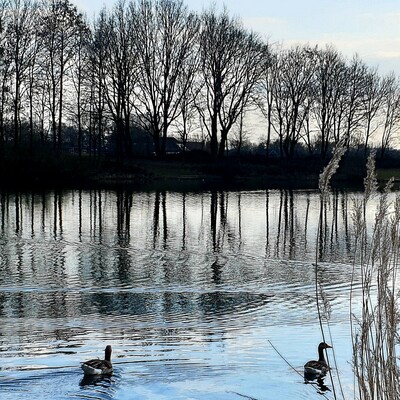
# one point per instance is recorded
(222, 143)
(214, 136)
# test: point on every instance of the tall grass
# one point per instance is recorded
(375, 320)
(323, 305)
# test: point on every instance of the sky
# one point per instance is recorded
(369, 28)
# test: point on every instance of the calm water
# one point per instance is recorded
(190, 290)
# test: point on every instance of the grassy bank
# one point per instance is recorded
(46, 169)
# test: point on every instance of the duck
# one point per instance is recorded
(97, 366)
(320, 367)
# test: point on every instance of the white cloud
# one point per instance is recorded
(389, 54)
(375, 51)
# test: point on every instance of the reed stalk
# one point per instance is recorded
(323, 305)
(375, 324)
(375, 300)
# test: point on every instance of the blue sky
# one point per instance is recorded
(368, 27)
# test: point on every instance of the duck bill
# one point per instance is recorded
(328, 346)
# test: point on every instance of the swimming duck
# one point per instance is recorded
(99, 367)
(319, 367)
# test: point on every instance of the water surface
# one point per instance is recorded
(205, 295)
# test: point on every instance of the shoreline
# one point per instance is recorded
(178, 175)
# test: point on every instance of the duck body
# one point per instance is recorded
(97, 366)
(320, 367)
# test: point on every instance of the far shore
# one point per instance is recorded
(182, 175)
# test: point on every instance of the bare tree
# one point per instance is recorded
(155, 64)
(240, 135)
(165, 39)
(58, 38)
(80, 74)
(292, 94)
(33, 82)
(232, 61)
(97, 71)
(116, 59)
(188, 118)
(391, 117)
(327, 89)
(5, 67)
(350, 111)
(265, 92)
(21, 51)
(376, 89)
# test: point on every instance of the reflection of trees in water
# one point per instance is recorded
(225, 221)
(218, 206)
(286, 221)
(4, 200)
(39, 305)
(165, 240)
(160, 219)
(124, 206)
(175, 264)
(95, 211)
(267, 233)
(293, 236)
(57, 215)
(171, 305)
(334, 227)
(183, 248)
(285, 240)
(160, 222)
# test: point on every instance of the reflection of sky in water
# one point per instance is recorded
(188, 288)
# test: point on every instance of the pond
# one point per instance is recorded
(203, 295)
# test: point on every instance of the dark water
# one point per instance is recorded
(191, 290)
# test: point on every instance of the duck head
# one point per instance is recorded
(323, 346)
(107, 352)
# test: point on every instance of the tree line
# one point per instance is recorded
(156, 65)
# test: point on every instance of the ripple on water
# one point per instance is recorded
(188, 301)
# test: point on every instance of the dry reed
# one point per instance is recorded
(323, 305)
(374, 323)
